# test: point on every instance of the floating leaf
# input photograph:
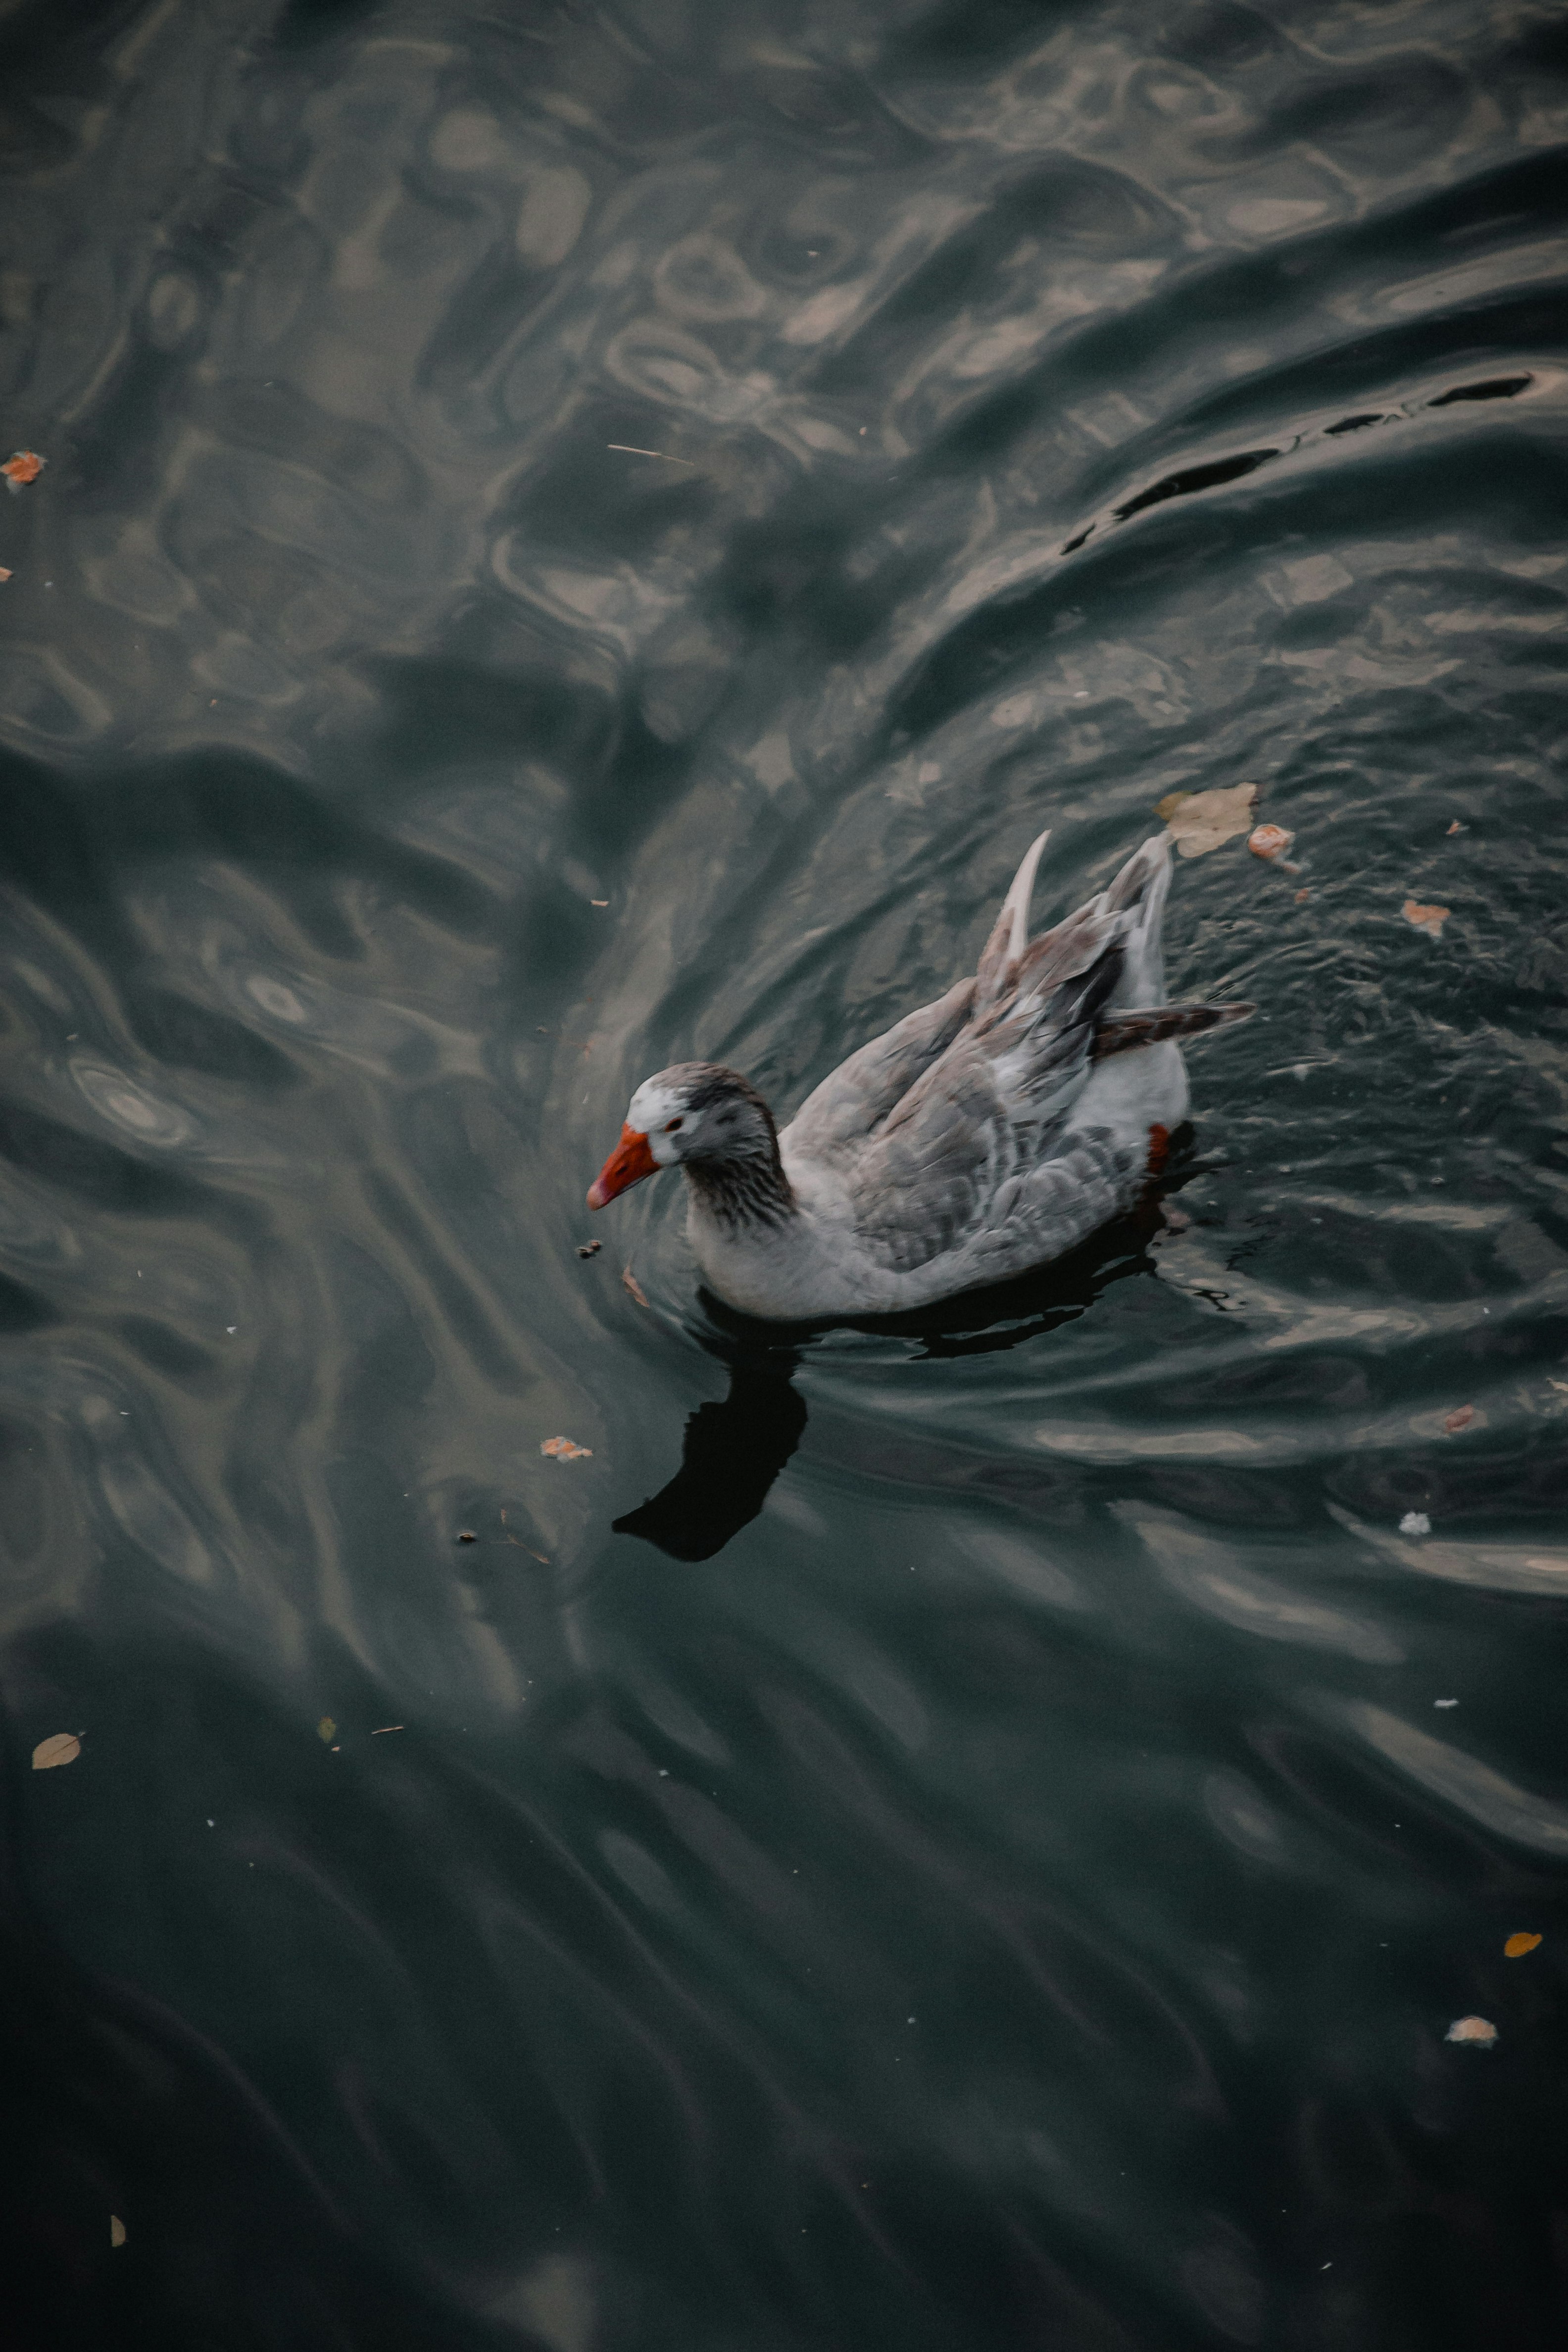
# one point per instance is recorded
(1460, 1418)
(63, 1747)
(4, 573)
(1458, 827)
(1269, 841)
(116, 2231)
(326, 1729)
(1425, 918)
(21, 465)
(629, 1282)
(561, 1449)
(1517, 1945)
(1199, 821)
(1479, 2030)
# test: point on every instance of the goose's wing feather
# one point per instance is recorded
(920, 1184)
(955, 1155)
(943, 1134)
(859, 1094)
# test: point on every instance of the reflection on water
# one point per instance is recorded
(576, 537)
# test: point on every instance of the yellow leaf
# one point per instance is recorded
(1200, 821)
(1517, 1945)
(116, 2231)
(326, 1729)
(64, 1748)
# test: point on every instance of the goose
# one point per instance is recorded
(982, 1137)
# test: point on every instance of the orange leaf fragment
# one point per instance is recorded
(1456, 826)
(561, 1449)
(629, 1282)
(4, 573)
(1425, 918)
(1460, 1418)
(1270, 840)
(1479, 2030)
(1517, 1945)
(21, 465)
(62, 1747)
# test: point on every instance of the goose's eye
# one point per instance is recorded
(671, 1125)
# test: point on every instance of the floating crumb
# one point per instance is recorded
(561, 1449)
(598, 902)
(1460, 1418)
(1301, 895)
(1444, 1702)
(381, 1727)
(589, 1249)
(466, 1535)
(1518, 1945)
(4, 573)
(1425, 918)
(21, 465)
(1478, 2030)
(61, 1748)
(326, 1730)
(629, 1282)
(1269, 841)
(1458, 827)
(1416, 1523)
(116, 2231)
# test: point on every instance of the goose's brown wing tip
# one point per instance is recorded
(1120, 1033)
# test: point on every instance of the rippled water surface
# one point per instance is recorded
(989, 1856)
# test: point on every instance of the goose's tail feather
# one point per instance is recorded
(1010, 933)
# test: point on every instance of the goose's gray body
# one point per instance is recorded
(985, 1135)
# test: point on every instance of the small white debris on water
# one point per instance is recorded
(1416, 1523)
(1444, 1702)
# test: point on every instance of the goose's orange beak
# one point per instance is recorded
(627, 1164)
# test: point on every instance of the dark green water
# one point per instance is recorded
(1012, 1891)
